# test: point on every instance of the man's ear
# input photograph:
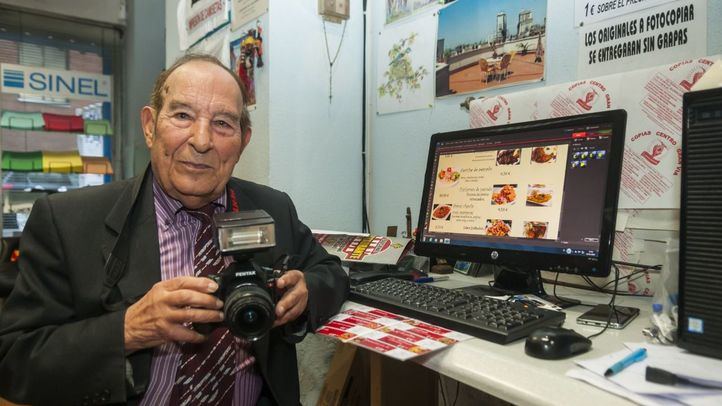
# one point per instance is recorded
(245, 139)
(147, 121)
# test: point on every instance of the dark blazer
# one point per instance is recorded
(61, 329)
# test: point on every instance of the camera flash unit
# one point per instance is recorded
(244, 231)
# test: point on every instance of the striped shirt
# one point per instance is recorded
(176, 236)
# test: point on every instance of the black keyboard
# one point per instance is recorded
(10, 221)
(490, 319)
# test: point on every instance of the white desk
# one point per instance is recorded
(506, 372)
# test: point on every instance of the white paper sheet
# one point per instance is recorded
(631, 383)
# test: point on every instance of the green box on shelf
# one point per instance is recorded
(22, 161)
(98, 127)
(20, 120)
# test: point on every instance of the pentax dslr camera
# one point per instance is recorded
(248, 291)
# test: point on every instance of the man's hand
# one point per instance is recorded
(163, 314)
(294, 299)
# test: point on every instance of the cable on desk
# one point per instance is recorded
(638, 274)
(612, 309)
(554, 293)
(657, 267)
(603, 289)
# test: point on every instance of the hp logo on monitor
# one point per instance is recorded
(494, 255)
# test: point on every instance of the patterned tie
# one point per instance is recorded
(206, 373)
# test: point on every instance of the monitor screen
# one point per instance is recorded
(540, 194)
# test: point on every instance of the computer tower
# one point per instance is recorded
(700, 267)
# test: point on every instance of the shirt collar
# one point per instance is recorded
(167, 208)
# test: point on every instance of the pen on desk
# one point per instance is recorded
(431, 279)
(663, 377)
(636, 356)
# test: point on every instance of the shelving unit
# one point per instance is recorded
(56, 101)
(39, 177)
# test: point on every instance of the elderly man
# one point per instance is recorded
(111, 277)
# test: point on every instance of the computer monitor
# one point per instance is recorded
(529, 197)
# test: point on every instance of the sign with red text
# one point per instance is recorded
(650, 37)
(199, 18)
(652, 98)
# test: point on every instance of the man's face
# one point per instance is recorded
(195, 139)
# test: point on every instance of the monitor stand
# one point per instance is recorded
(528, 281)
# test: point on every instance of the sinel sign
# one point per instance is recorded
(21, 79)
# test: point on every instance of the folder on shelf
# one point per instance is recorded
(20, 120)
(62, 161)
(98, 127)
(62, 122)
(22, 161)
(97, 164)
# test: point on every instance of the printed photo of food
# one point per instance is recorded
(535, 229)
(498, 228)
(508, 157)
(544, 155)
(503, 194)
(449, 176)
(441, 212)
(538, 195)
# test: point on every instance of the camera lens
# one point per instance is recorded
(249, 316)
(249, 311)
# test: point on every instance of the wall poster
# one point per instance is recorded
(246, 54)
(484, 44)
(399, 9)
(650, 37)
(405, 65)
(652, 98)
(245, 11)
(198, 18)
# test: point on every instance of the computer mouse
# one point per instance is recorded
(556, 343)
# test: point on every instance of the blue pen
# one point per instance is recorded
(431, 279)
(636, 356)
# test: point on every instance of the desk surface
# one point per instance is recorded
(506, 372)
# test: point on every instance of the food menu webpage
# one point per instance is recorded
(510, 191)
(542, 191)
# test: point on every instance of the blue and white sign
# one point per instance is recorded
(21, 79)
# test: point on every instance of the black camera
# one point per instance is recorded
(247, 290)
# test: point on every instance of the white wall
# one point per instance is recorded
(400, 142)
(315, 145)
(108, 11)
(301, 144)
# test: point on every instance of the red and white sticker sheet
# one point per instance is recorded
(374, 249)
(653, 100)
(387, 333)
